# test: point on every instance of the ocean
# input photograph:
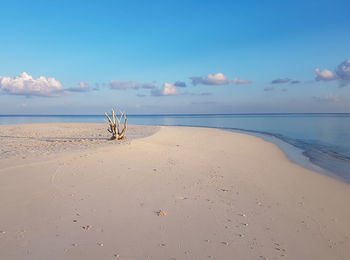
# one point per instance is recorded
(320, 142)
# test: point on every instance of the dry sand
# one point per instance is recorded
(181, 193)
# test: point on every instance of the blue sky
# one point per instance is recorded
(159, 57)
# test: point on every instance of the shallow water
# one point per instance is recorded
(323, 138)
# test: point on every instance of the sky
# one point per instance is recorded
(174, 57)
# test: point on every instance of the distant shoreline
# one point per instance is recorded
(298, 152)
(196, 114)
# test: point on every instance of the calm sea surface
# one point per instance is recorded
(317, 141)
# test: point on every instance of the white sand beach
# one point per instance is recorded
(67, 192)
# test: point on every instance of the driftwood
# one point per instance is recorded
(114, 125)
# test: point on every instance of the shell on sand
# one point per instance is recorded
(161, 213)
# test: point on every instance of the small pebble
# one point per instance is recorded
(75, 245)
(100, 244)
(225, 243)
(161, 213)
(86, 228)
(2, 232)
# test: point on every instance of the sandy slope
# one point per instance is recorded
(225, 195)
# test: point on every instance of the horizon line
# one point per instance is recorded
(188, 114)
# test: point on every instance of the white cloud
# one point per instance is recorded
(132, 84)
(211, 79)
(216, 79)
(324, 75)
(167, 90)
(26, 85)
(240, 81)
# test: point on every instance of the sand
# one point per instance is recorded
(165, 193)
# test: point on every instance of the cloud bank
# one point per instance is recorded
(343, 72)
(240, 81)
(83, 87)
(211, 79)
(26, 85)
(180, 84)
(329, 98)
(280, 81)
(132, 84)
(285, 80)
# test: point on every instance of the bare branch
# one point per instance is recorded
(108, 118)
(113, 115)
(116, 123)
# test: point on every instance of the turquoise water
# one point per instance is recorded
(324, 139)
